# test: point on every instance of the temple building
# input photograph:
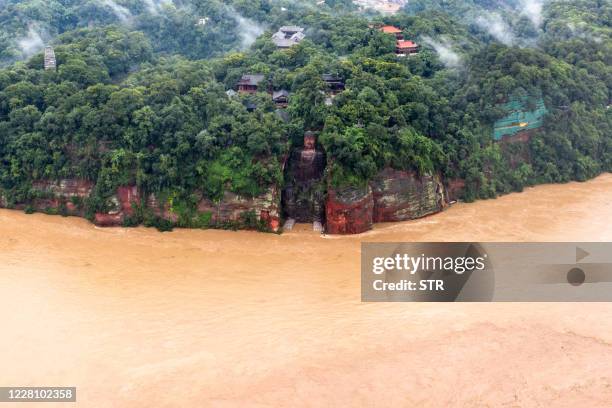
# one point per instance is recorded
(398, 33)
(249, 84)
(334, 83)
(288, 36)
(281, 98)
(50, 61)
(405, 48)
(250, 106)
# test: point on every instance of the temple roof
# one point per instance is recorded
(278, 94)
(288, 36)
(331, 78)
(390, 30)
(252, 79)
(291, 29)
(406, 44)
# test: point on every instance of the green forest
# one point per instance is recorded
(139, 94)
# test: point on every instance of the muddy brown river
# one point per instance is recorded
(138, 318)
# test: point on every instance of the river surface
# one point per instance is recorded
(138, 318)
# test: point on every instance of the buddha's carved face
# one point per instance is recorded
(309, 142)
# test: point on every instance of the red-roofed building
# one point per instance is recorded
(404, 48)
(393, 30)
(249, 84)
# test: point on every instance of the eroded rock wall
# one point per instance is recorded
(162, 210)
(121, 205)
(64, 195)
(391, 196)
(229, 209)
(401, 196)
(349, 211)
(232, 207)
(65, 188)
(455, 189)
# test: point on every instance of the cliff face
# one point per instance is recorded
(401, 196)
(391, 196)
(349, 211)
(162, 210)
(65, 188)
(232, 207)
(455, 189)
(516, 149)
(121, 205)
(64, 195)
(303, 195)
(67, 197)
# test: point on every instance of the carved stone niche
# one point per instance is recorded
(303, 197)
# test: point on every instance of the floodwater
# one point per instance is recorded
(137, 318)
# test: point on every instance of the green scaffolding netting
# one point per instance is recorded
(520, 118)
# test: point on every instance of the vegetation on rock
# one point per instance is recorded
(139, 98)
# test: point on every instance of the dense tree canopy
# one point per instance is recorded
(143, 101)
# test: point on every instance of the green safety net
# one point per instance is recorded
(520, 118)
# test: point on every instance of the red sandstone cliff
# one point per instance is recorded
(122, 206)
(232, 206)
(162, 210)
(349, 211)
(401, 196)
(65, 194)
(455, 189)
(391, 196)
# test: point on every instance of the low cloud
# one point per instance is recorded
(533, 10)
(444, 48)
(31, 44)
(155, 6)
(249, 30)
(121, 12)
(495, 25)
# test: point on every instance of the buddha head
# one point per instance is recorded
(310, 141)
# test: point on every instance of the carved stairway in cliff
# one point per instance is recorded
(303, 197)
